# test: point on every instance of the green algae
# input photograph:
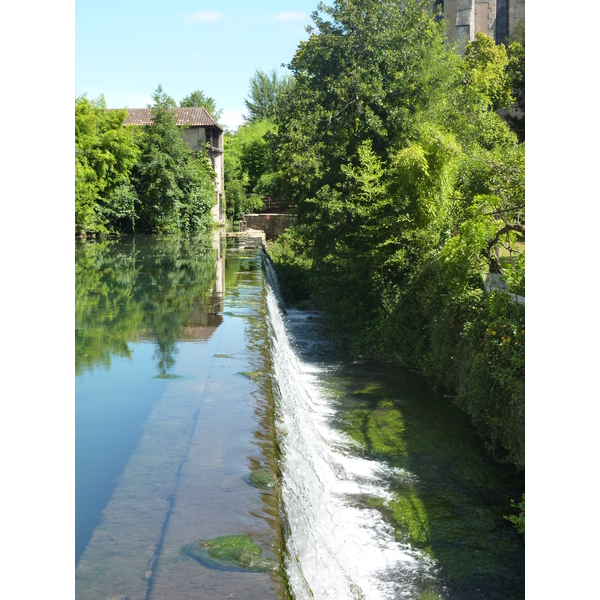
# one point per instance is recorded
(411, 517)
(231, 553)
(253, 375)
(262, 479)
(428, 595)
(379, 431)
(451, 503)
(223, 356)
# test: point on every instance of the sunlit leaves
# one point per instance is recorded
(486, 71)
(105, 153)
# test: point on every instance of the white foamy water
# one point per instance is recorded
(336, 546)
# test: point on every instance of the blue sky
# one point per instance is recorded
(125, 49)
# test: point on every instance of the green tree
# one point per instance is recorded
(199, 98)
(174, 186)
(407, 182)
(264, 94)
(366, 71)
(105, 153)
(165, 99)
(250, 167)
(486, 71)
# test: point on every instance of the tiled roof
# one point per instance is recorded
(193, 117)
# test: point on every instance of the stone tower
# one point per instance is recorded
(496, 18)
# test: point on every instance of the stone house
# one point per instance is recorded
(496, 18)
(200, 129)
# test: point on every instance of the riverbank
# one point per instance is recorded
(471, 346)
(387, 490)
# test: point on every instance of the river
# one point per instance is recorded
(191, 381)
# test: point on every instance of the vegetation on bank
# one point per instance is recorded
(409, 187)
(139, 179)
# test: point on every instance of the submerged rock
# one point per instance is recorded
(262, 479)
(231, 553)
(253, 375)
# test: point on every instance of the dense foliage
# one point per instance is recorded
(175, 186)
(264, 94)
(251, 167)
(409, 187)
(138, 179)
(105, 153)
(249, 163)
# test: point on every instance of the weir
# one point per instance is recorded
(383, 490)
(387, 492)
(336, 548)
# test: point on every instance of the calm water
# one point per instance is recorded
(188, 368)
(172, 405)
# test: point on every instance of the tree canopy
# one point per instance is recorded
(199, 98)
(409, 185)
(138, 179)
(264, 94)
(105, 153)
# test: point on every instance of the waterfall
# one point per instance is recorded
(336, 547)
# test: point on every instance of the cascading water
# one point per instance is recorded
(337, 547)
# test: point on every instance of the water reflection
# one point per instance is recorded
(168, 455)
(140, 288)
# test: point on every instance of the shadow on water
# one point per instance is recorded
(447, 495)
(452, 504)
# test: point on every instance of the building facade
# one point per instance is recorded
(199, 129)
(496, 18)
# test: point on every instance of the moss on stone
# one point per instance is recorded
(262, 479)
(230, 552)
(410, 515)
(253, 375)
(379, 431)
(385, 428)
(428, 595)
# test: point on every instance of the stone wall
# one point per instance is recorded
(272, 224)
(496, 18)
(516, 13)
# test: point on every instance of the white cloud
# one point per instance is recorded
(198, 57)
(290, 15)
(202, 16)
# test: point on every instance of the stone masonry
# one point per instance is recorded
(496, 18)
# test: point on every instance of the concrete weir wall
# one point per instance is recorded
(272, 224)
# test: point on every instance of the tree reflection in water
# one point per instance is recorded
(166, 290)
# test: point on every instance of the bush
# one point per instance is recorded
(293, 268)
